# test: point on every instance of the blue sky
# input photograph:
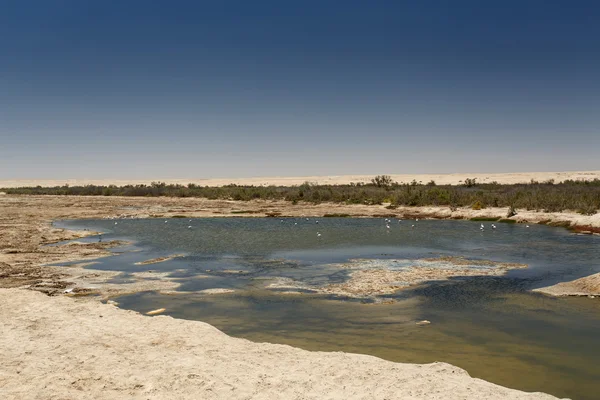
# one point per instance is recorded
(139, 89)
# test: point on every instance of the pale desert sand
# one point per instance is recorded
(586, 286)
(440, 179)
(61, 348)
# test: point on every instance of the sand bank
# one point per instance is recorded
(586, 286)
(56, 347)
(371, 278)
(107, 284)
(440, 179)
(368, 279)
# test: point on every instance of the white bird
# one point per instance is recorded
(387, 226)
(318, 234)
(493, 226)
(482, 226)
(116, 223)
(166, 222)
(307, 219)
(417, 220)
(189, 227)
(317, 222)
(526, 226)
(412, 226)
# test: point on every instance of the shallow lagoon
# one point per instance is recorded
(494, 327)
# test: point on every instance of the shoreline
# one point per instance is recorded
(28, 228)
(71, 348)
(24, 256)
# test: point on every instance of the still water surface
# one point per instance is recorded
(493, 327)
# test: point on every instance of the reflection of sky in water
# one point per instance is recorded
(263, 248)
(491, 326)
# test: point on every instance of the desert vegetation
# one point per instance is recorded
(580, 196)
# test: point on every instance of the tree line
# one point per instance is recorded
(580, 196)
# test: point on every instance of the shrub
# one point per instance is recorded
(587, 210)
(470, 182)
(383, 181)
(583, 196)
(478, 205)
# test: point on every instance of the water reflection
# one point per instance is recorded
(494, 327)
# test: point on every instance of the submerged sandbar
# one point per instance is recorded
(375, 277)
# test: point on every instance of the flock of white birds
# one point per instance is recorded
(387, 224)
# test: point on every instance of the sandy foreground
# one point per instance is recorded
(61, 347)
(440, 179)
(56, 347)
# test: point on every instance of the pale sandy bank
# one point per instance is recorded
(56, 347)
(440, 179)
(586, 286)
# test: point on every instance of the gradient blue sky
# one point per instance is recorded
(167, 89)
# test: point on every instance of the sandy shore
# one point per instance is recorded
(440, 179)
(56, 347)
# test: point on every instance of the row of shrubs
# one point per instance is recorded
(582, 196)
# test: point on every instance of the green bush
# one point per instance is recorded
(383, 181)
(581, 196)
(478, 205)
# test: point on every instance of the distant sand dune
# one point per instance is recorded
(444, 179)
